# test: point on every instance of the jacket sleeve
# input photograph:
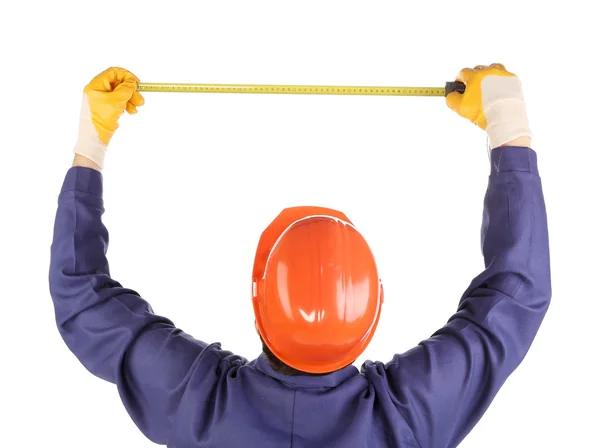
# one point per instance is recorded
(112, 330)
(445, 384)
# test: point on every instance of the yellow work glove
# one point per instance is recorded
(105, 98)
(493, 100)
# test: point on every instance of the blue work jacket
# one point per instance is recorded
(186, 393)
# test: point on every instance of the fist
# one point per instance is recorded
(109, 94)
(105, 99)
(493, 100)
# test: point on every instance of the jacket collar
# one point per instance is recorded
(328, 380)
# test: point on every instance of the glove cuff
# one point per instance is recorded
(88, 143)
(504, 109)
(506, 121)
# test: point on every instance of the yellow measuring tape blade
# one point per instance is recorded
(292, 89)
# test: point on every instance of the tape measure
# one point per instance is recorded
(303, 90)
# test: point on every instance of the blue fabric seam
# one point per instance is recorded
(293, 418)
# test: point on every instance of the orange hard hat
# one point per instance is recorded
(316, 291)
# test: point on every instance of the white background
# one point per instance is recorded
(192, 180)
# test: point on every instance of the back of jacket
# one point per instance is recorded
(254, 406)
(185, 393)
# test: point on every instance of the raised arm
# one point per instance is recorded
(445, 384)
(111, 329)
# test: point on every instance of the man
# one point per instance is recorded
(317, 300)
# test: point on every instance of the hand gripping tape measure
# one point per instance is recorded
(304, 90)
